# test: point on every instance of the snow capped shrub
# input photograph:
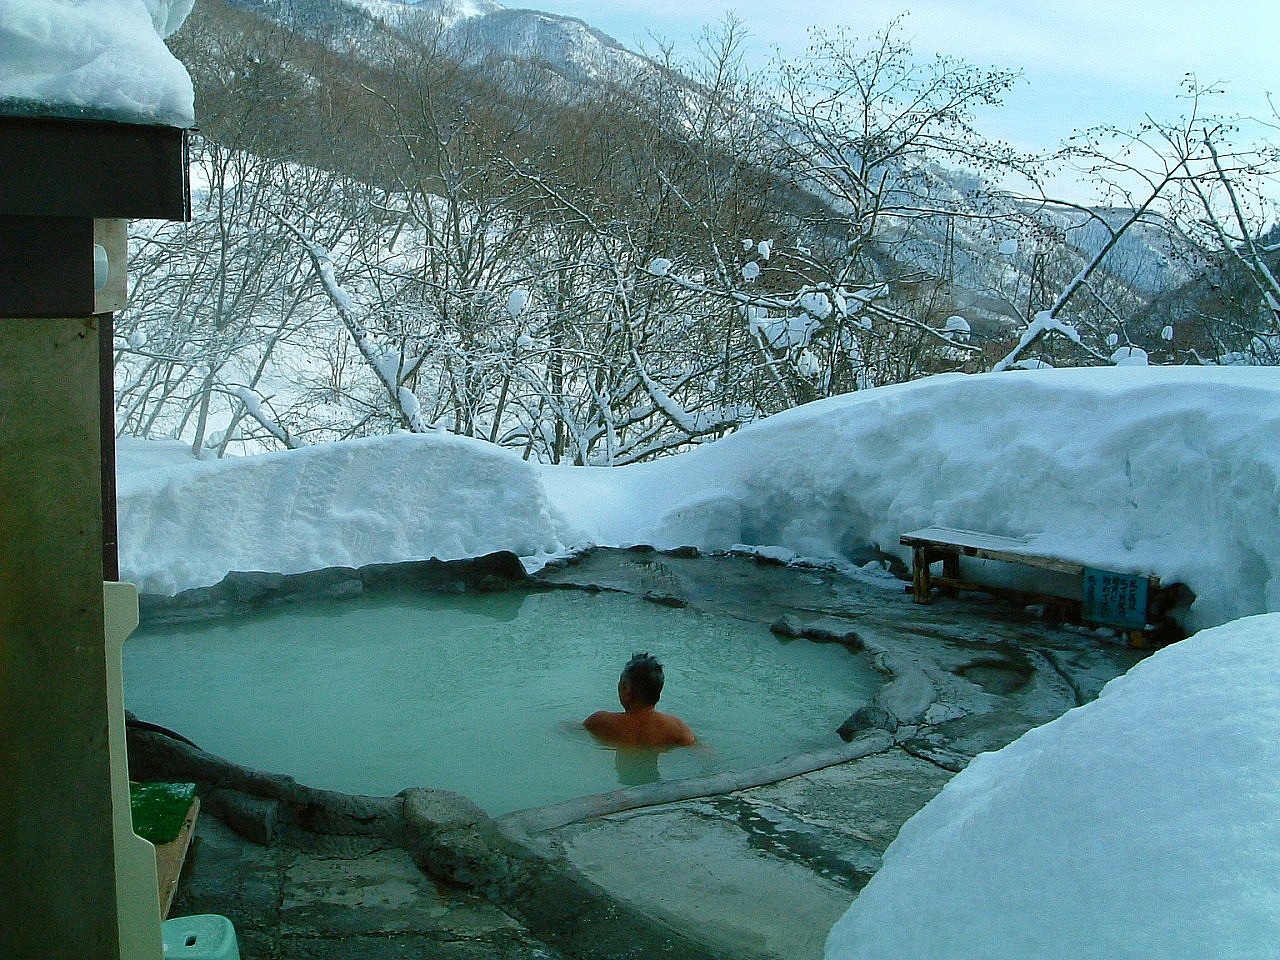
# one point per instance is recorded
(815, 303)
(808, 364)
(517, 302)
(1130, 357)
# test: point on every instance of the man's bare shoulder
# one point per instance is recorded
(602, 721)
(678, 731)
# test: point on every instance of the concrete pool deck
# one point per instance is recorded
(757, 872)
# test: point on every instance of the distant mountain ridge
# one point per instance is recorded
(562, 64)
(568, 46)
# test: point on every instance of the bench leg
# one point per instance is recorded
(950, 571)
(920, 575)
(951, 566)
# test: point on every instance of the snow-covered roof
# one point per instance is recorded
(94, 59)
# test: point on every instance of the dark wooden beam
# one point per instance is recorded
(107, 435)
(47, 267)
(92, 170)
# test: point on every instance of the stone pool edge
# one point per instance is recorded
(256, 589)
(451, 840)
(523, 824)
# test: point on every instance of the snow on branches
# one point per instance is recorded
(389, 364)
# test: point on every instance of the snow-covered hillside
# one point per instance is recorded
(478, 28)
(1171, 471)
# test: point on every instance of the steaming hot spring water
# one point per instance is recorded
(484, 694)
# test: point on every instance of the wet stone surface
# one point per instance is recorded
(373, 905)
(759, 872)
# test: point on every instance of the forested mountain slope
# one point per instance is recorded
(502, 224)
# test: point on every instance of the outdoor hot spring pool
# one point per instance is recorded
(484, 694)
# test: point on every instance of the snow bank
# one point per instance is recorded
(1166, 470)
(380, 500)
(104, 59)
(1145, 824)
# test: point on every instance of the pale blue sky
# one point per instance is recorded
(1086, 62)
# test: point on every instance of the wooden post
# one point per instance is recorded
(920, 575)
(951, 566)
(57, 858)
(74, 880)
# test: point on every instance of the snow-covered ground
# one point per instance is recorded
(1143, 825)
(1167, 470)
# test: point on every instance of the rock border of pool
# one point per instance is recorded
(249, 590)
(518, 860)
(449, 838)
(901, 699)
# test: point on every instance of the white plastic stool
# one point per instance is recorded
(204, 936)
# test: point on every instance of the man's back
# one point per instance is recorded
(640, 728)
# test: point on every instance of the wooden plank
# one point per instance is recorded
(170, 857)
(970, 543)
(964, 538)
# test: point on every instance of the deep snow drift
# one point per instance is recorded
(1141, 825)
(185, 523)
(1168, 470)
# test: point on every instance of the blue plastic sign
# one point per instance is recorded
(1117, 599)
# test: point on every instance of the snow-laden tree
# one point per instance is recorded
(1196, 191)
(851, 281)
(606, 273)
(217, 304)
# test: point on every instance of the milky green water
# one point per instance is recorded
(484, 694)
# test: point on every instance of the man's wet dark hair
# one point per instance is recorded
(643, 674)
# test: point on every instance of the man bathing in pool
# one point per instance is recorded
(639, 724)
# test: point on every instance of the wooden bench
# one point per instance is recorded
(1105, 597)
(171, 856)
